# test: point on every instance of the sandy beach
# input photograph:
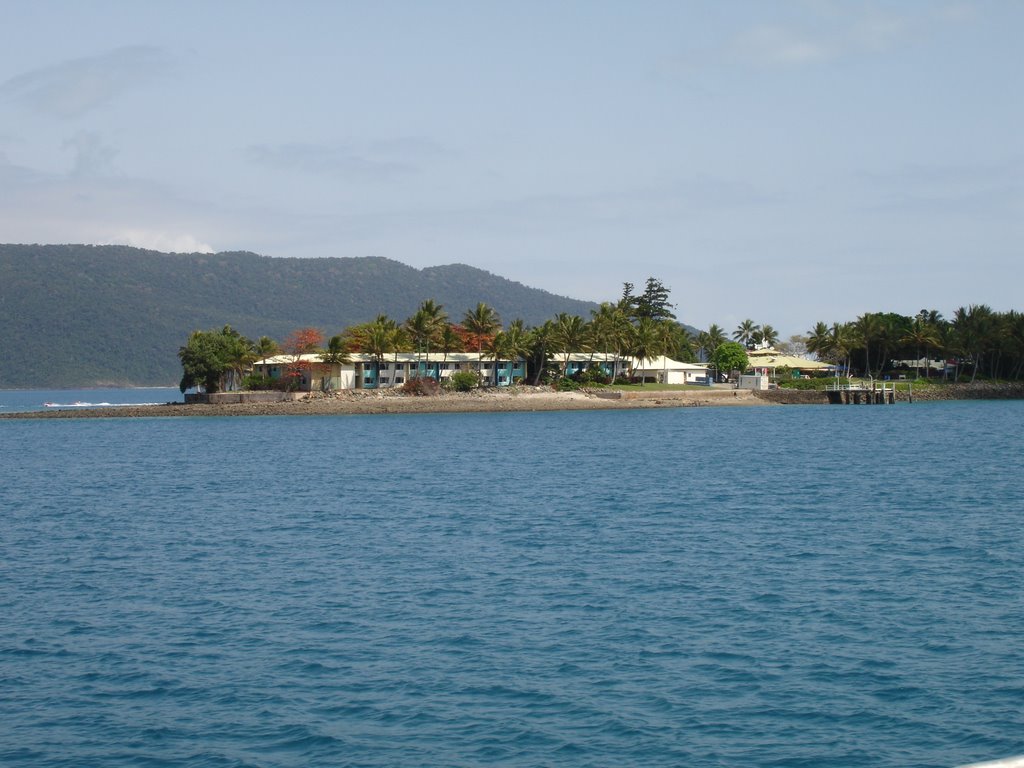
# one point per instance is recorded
(524, 399)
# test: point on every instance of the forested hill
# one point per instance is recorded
(80, 315)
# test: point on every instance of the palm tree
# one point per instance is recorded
(424, 326)
(1014, 325)
(666, 332)
(610, 331)
(818, 340)
(679, 343)
(646, 342)
(507, 345)
(449, 341)
(922, 336)
(420, 328)
(866, 330)
(602, 324)
(973, 327)
(378, 342)
(266, 347)
(840, 344)
(716, 335)
(337, 353)
(435, 320)
(745, 331)
(892, 328)
(702, 343)
(240, 354)
(481, 321)
(517, 341)
(768, 335)
(571, 335)
(399, 341)
(497, 348)
(540, 339)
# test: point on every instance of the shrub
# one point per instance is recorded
(255, 381)
(463, 381)
(550, 375)
(567, 385)
(421, 386)
(592, 375)
(802, 384)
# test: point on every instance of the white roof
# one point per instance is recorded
(662, 363)
(771, 358)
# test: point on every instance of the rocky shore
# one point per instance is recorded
(387, 401)
(979, 390)
(512, 399)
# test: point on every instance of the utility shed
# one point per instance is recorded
(753, 381)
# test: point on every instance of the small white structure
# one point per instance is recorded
(665, 370)
(752, 381)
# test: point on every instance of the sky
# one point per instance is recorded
(787, 162)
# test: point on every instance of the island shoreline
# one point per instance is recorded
(522, 399)
(525, 400)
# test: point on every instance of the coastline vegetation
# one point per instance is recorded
(977, 343)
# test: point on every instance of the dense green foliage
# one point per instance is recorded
(729, 356)
(79, 315)
(978, 341)
(463, 381)
(653, 303)
(614, 330)
(213, 359)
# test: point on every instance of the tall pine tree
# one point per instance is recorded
(654, 303)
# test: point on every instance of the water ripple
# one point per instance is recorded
(515, 589)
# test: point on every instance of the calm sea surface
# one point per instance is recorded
(14, 400)
(796, 586)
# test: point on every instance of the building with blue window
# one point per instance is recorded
(393, 370)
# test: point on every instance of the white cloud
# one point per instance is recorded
(777, 45)
(73, 88)
(878, 33)
(167, 242)
(92, 156)
(838, 31)
(958, 13)
(334, 161)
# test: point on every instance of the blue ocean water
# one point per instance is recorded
(794, 586)
(21, 400)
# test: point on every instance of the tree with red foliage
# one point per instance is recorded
(482, 322)
(302, 341)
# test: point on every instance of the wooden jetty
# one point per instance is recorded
(878, 393)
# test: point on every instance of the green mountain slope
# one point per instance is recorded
(80, 315)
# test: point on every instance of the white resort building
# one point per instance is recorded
(393, 370)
